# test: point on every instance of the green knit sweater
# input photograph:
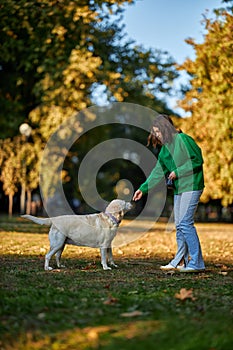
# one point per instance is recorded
(183, 156)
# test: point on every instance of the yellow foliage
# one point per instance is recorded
(211, 104)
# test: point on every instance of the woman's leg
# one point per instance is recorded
(182, 248)
(185, 225)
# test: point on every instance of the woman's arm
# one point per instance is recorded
(153, 179)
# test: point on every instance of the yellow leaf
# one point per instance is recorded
(185, 294)
(132, 314)
(111, 300)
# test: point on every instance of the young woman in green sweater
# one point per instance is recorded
(181, 160)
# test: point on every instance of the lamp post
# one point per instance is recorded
(25, 130)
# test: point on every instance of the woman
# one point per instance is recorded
(180, 158)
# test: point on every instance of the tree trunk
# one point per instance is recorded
(29, 202)
(10, 207)
(22, 199)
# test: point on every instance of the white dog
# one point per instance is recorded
(91, 230)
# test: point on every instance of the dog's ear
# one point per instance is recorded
(114, 206)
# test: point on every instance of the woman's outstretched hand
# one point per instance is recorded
(137, 195)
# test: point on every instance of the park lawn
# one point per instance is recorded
(136, 306)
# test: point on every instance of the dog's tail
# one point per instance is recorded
(40, 221)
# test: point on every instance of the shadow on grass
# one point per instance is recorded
(133, 307)
(83, 307)
(18, 224)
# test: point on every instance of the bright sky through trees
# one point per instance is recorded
(165, 24)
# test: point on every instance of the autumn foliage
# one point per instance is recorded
(210, 102)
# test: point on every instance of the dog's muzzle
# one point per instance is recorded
(129, 206)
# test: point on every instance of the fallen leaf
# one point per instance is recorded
(223, 273)
(111, 300)
(222, 266)
(90, 266)
(170, 272)
(185, 294)
(107, 286)
(132, 314)
(41, 315)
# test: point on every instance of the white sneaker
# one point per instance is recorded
(167, 267)
(179, 267)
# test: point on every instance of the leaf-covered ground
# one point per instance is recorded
(136, 306)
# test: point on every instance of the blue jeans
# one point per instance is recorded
(188, 245)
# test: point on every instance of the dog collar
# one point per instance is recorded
(112, 217)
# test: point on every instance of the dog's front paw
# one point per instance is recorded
(48, 268)
(107, 267)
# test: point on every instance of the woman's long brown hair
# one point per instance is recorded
(165, 124)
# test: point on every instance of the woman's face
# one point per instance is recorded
(158, 134)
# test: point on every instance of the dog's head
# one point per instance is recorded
(118, 208)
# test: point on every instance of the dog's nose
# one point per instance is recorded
(130, 205)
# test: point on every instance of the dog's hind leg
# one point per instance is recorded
(49, 255)
(58, 256)
(57, 240)
(110, 257)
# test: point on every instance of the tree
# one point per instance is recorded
(19, 162)
(37, 40)
(28, 157)
(8, 175)
(209, 100)
(57, 55)
(54, 55)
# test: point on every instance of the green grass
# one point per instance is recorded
(136, 306)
